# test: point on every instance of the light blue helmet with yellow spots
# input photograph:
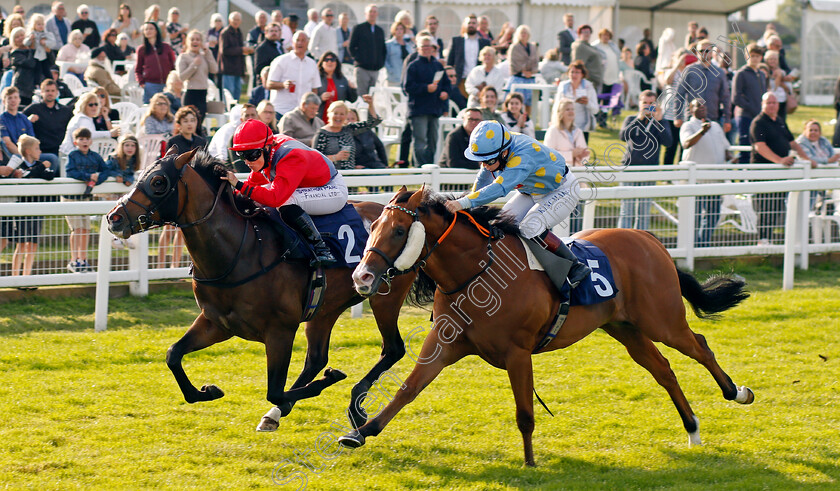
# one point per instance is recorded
(487, 141)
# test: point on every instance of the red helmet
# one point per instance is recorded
(250, 135)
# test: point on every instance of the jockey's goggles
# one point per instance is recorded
(250, 155)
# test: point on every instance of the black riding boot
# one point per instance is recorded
(297, 218)
(552, 243)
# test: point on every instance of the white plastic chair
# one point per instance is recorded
(634, 79)
(742, 206)
(212, 91)
(133, 94)
(151, 145)
(130, 116)
(103, 146)
(229, 101)
(75, 85)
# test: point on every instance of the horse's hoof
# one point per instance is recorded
(267, 424)
(334, 375)
(530, 463)
(745, 395)
(354, 439)
(210, 392)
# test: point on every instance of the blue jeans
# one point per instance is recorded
(424, 128)
(705, 225)
(151, 89)
(53, 160)
(743, 125)
(635, 212)
(233, 83)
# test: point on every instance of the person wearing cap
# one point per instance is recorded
(97, 73)
(546, 187)
(289, 176)
(64, 91)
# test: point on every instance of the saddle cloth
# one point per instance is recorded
(598, 287)
(345, 234)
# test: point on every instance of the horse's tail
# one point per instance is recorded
(717, 294)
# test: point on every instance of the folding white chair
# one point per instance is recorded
(151, 145)
(103, 146)
(75, 85)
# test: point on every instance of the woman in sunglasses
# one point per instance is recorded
(87, 108)
(547, 190)
(290, 176)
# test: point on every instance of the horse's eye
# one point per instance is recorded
(399, 231)
(158, 185)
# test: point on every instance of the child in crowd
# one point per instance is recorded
(85, 165)
(27, 229)
(125, 160)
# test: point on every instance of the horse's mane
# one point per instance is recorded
(212, 169)
(423, 290)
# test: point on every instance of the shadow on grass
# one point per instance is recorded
(700, 468)
(163, 309)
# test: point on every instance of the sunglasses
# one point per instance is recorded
(250, 155)
(101, 96)
(490, 162)
(330, 59)
(93, 104)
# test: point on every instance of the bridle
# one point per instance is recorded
(393, 271)
(160, 200)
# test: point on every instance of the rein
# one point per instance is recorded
(146, 222)
(392, 271)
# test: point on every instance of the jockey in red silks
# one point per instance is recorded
(289, 176)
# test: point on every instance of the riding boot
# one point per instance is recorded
(552, 243)
(296, 217)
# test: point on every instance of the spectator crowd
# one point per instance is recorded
(63, 78)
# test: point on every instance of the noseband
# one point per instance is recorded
(160, 198)
(393, 270)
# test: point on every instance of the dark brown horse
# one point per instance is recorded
(492, 305)
(249, 289)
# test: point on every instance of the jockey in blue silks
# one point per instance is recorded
(546, 187)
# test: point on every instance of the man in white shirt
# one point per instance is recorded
(292, 75)
(704, 142)
(324, 37)
(312, 15)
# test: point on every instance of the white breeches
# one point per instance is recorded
(536, 214)
(321, 200)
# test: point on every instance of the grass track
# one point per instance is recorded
(86, 410)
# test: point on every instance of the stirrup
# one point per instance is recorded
(582, 271)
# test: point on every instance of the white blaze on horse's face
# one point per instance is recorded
(413, 246)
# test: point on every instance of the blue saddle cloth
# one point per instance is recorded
(344, 233)
(600, 285)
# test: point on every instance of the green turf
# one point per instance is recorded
(85, 410)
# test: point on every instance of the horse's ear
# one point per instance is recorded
(398, 193)
(416, 198)
(184, 158)
(173, 150)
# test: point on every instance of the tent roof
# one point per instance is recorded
(725, 7)
(826, 5)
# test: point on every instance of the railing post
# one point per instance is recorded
(589, 210)
(804, 222)
(434, 173)
(138, 260)
(791, 226)
(103, 271)
(356, 310)
(686, 217)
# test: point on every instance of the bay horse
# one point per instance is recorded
(249, 290)
(480, 308)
